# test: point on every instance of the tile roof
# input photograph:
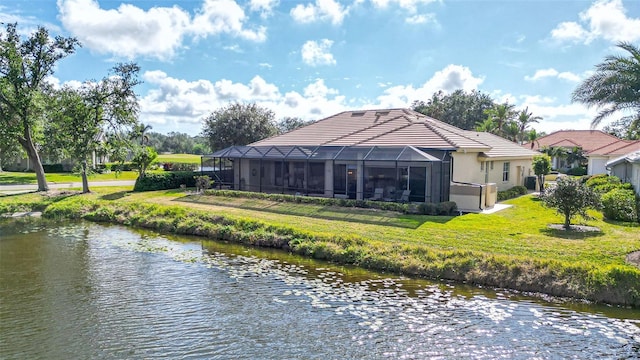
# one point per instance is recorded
(586, 139)
(633, 157)
(393, 127)
(617, 148)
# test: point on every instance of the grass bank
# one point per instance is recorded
(19, 178)
(178, 158)
(511, 249)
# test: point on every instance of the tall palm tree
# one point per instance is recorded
(511, 130)
(525, 118)
(501, 114)
(532, 135)
(614, 87)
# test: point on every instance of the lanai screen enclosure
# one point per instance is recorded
(389, 173)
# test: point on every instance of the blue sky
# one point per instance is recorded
(314, 58)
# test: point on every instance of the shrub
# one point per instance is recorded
(620, 204)
(180, 166)
(577, 171)
(116, 166)
(445, 208)
(512, 193)
(203, 182)
(53, 168)
(602, 179)
(164, 181)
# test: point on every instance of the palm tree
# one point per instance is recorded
(532, 135)
(139, 131)
(511, 130)
(525, 118)
(614, 87)
(488, 125)
(501, 114)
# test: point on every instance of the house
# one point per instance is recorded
(627, 168)
(598, 146)
(392, 154)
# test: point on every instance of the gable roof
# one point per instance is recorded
(394, 127)
(588, 140)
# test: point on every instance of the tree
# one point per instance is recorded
(9, 147)
(81, 117)
(511, 131)
(238, 124)
(576, 155)
(24, 65)
(144, 156)
(627, 128)
(541, 167)
(532, 135)
(524, 119)
(569, 197)
(291, 123)
(501, 114)
(139, 132)
(461, 109)
(487, 125)
(614, 87)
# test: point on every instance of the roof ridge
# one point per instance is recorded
(564, 139)
(361, 130)
(434, 124)
(387, 132)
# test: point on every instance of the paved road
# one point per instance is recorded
(17, 189)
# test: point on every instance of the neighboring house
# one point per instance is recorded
(393, 154)
(598, 146)
(627, 168)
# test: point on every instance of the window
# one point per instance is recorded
(505, 171)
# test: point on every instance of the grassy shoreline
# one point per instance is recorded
(511, 249)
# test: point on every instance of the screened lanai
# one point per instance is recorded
(385, 173)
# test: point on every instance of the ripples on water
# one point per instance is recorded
(82, 290)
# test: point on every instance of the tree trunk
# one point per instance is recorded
(567, 222)
(34, 158)
(85, 181)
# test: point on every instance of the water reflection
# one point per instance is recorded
(82, 290)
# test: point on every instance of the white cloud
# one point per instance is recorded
(422, 19)
(180, 101)
(551, 72)
(224, 16)
(317, 53)
(265, 7)
(605, 19)
(449, 79)
(130, 31)
(321, 10)
(409, 5)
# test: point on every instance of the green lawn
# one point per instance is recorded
(19, 178)
(178, 158)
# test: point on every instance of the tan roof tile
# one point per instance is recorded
(394, 127)
(587, 139)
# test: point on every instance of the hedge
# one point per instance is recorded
(443, 208)
(514, 192)
(165, 181)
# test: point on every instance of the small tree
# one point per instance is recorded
(541, 167)
(144, 156)
(569, 197)
(202, 183)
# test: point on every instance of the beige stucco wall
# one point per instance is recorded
(467, 167)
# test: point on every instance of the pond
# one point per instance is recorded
(82, 290)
